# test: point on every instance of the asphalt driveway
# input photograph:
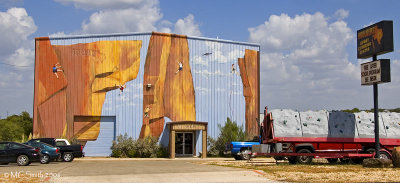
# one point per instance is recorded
(133, 170)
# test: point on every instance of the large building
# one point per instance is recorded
(174, 87)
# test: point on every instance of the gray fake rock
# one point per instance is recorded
(342, 124)
(366, 125)
(314, 123)
(376, 163)
(396, 157)
(286, 123)
(391, 122)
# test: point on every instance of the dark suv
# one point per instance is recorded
(12, 152)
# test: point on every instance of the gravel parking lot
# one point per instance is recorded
(129, 170)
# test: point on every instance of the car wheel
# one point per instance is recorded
(44, 159)
(304, 159)
(245, 154)
(332, 160)
(67, 157)
(22, 160)
(237, 157)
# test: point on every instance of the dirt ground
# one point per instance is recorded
(318, 171)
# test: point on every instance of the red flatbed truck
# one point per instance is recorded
(333, 147)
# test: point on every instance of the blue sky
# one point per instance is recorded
(308, 48)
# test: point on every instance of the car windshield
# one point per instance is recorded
(17, 146)
(44, 145)
(3, 146)
(61, 143)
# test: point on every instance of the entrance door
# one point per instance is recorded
(184, 144)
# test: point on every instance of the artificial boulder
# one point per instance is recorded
(396, 157)
(376, 163)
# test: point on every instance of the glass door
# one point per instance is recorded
(184, 143)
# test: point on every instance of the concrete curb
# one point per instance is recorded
(150, 159)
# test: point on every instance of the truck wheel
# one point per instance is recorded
(68, 157)
(245, 154)
(304, 159)
(332, 160)
(384, 155)
(292, 160)
(22, 160)
(44, 159)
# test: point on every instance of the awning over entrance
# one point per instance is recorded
(186, 126)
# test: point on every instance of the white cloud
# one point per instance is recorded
(22, 57)
(341, 14)
(123, 20)
(107, 4)
(304, 63)
(15, 27)
(187, 26)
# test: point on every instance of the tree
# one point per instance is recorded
(14, 127)
(228, 133)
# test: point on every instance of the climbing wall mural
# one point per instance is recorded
(168, 85)
(77, 90)
(143, 81)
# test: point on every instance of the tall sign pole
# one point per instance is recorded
(374, 40)
(376, 117)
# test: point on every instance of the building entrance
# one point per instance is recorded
(184, 144)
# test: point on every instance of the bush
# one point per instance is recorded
(228, 133)
(126, 147)
(123, 147)
(147, 147)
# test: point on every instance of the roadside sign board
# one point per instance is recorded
(377, 71)
(375, 39)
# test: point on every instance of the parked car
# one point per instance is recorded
(49, 152)
(23, 155)
(242, 150)
(68, 152)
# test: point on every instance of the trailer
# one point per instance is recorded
(301, 136)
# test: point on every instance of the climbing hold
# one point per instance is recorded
(358, 117)
(341, 131)
(387, 127)
(298, 128)
(367, 126)
(295, 116)
(284, 122)
(318, 119)
(304, 124)
(359, 121)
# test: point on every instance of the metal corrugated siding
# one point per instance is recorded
(101, 147)
(218, 92)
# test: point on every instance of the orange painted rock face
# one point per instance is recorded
(89, 71)
(248, 72)
(171, 91)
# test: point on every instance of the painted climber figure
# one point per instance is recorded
(57, 68)
(121, 88)
(146, 111)
(180, 67)
(233, 70)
